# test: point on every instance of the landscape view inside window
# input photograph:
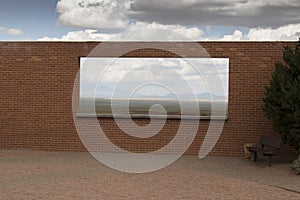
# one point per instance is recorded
(154, 87)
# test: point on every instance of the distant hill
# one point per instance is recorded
(202, 96)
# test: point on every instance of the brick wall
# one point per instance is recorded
(37, 80)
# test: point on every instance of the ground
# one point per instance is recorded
(26, 174)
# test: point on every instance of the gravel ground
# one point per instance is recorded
(71, 175)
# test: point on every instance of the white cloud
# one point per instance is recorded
(156, 32)
(142, 31)
(177, 20)
(139, 31)
(284, 33)
(118, 14)
(236, 36)
(93, 13)
(10, 31)
(85, 35)
(288, 32)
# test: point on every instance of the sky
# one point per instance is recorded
(136, 20)
(154, 78)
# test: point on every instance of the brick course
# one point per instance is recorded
(37, 80)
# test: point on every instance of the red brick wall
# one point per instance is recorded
(37, 81)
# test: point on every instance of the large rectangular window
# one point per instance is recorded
(154, 87)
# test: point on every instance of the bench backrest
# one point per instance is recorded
(270, 141)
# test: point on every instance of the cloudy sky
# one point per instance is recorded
(154, 77)
(231, 20)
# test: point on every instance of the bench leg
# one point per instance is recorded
(270, 161)
(255, 156)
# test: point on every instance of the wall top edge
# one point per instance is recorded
(148, 41)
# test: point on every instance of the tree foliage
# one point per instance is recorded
(282, 100)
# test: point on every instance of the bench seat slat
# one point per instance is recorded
(262, 151)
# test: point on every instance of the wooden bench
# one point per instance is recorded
(268, 146)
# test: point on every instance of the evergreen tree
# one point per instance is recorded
(282, 100)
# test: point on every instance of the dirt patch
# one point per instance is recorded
(65, 175)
